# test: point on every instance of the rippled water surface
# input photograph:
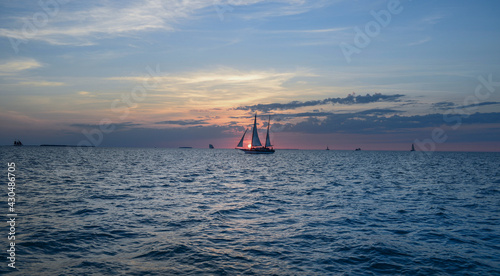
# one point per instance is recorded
(220, 212)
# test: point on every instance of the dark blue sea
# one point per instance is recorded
(128, 211)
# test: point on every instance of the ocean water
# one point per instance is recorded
(123, 211)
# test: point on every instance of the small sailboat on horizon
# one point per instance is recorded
(412, 147)
(256, 146)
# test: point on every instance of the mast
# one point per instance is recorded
(240, 144)
(268, 141)
(255, 134)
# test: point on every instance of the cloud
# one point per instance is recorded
(450, 105)
(222, 75)
(380, 111)
(220, 87)
(182, 122)
(433, 19)
(349, 100)
(41, 83)
(287, 8)
(479, 104)
(422, 41)
(73, 24)
(15, 66)
(81, 27)
(317, 114)
(115, 126)
(231, 76)
(443, 105)
(363, 123)
(307, 31)
(309, 37)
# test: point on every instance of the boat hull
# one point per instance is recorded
(258, 151)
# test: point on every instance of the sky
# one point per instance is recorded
(379, 75)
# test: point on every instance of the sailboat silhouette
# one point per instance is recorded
(256, 146)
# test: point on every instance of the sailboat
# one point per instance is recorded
(256, 147)
(412, 147)
(17, 142)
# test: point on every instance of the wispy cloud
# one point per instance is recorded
(224, 75)
(433, 19)
(42, 83)
(443, 105)
(480, 104)
(309, 31)
(82, 27)
(422, 41)
(450, 105)
(291, 7)
(13, 66)
(223, 86)
(182, 122)
(74, 25)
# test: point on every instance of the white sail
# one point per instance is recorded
(240, 144)
(268, 140)
(255, 134)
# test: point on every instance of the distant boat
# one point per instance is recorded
(327, 148)
(17, 143)
(412, 147)
(358, 149)
(256, 147)
(210, 146)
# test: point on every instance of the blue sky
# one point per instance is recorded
(171, 73)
